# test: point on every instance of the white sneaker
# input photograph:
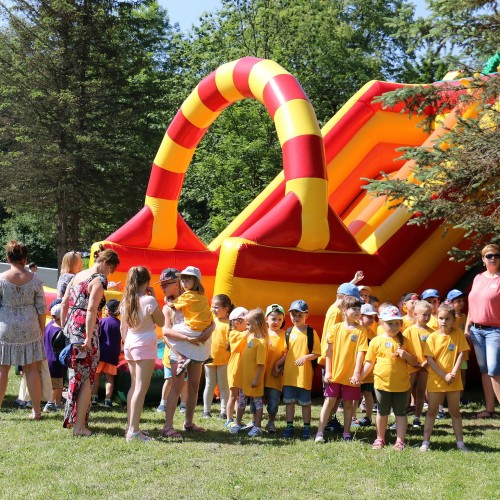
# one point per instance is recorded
(319, 438)
(255, 431)
(424, 448)
(270, 427)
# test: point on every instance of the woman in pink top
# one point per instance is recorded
(140, 314)
(483, 326)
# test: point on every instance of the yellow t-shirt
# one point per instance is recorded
(218, 348)
(445, 350)
(460, 322)
(332, 317)
(371, 333)
(417, 336)
(433, 323)
(196, 310)
(380, 330)
(299, 376)
(346, 343)
(275, 350)
(252, 356)
(407, 322)
(390, 372)
(237, 342)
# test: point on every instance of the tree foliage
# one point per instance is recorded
(80, 82)
(458, 178)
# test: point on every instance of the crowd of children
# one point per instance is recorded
(394, 359)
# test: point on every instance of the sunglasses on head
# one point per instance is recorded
(490, 256)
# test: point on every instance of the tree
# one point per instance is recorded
(458, 183)
(83, 88)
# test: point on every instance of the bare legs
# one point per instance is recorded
(4, 378)
(82, 406)
(140, 372)
(34, 383)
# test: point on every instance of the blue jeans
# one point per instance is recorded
(486, 341)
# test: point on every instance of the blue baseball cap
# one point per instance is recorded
(349, 289)
(430, 292)
(454, 294)
(299, 305)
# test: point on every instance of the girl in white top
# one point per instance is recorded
(140, 313)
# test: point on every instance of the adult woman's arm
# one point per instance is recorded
(207, 333)
(65, 303)
(96, 294)
(40, 306)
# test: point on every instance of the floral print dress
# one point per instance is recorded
(83, 369)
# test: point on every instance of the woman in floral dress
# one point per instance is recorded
(22, 323)
(82, 304)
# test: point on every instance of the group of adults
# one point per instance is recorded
(22, 323)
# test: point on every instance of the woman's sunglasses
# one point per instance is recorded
(490, 256)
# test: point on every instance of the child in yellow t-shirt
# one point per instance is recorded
(457, 299)
(389, 355)
(298, 370)
(216, 370)
(431, 295)
(368, 314)
(445, 350)
(347, 345)
(237, 343)
(417, 335)
(253, 363)
(197, 318)
(273, 378)
(407, 306)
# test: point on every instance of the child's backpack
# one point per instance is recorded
(310, 343)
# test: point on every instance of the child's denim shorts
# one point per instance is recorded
(297, 395)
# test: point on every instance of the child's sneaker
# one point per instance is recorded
(270, 427)
(247, 427)
(424, 448)
(417, 424)
(463, 448)
(319, 438)
(347, 437)
(228, 423)
(365, 422)
(50, 407)
(393, 427)
(255, 431)
(95, 401)
(306, 433)
(182, 408)
(441, 415)
(161, 408)
(223, 416)
(354, 422)
(234, 428)
(334, 425)
(288, 433)
(206, 414)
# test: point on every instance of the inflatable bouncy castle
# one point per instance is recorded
(314, 226)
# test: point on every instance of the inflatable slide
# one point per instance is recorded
(314, 225)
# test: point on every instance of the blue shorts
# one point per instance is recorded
(296, 395)
(486, 341)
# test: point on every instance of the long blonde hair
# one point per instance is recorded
(258, 324)
(136, 278)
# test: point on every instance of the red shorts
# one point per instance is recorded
(346, 392)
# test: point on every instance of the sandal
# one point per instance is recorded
(35, 415)
(485, 414)
(170, 433)
(399, 446)
(193, 428)
(378, 444)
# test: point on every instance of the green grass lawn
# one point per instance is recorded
(42, 460)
